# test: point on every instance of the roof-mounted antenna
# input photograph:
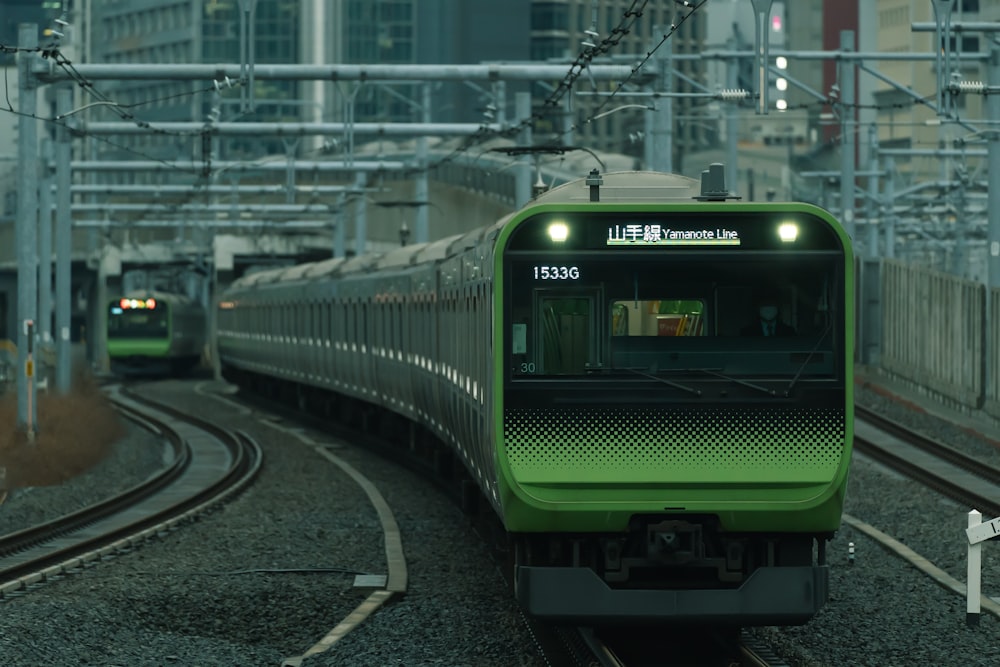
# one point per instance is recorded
(595, 182)
(539, 187)
(713, 184)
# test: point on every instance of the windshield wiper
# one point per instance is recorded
(766, 390)
(649, 373)
(788, 389)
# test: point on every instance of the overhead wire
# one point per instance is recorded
(481, 136)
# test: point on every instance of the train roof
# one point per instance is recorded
(437, 250)
(626, 186)
(293, 273)
(402, 256)
(326, 267)
(360, 263)
(470, 238)
(616, 186)
(258, 278)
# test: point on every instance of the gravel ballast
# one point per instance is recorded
(267, 575)
(882, 610)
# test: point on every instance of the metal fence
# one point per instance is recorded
(934, 333)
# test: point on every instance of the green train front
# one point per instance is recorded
(662, 458)
(154, 332)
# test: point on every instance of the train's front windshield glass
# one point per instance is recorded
(129, 323)
(760, 314)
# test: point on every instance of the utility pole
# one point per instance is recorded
(993, 158)
(660, 122)
(993, 205)
(889, 211)
(421, 190)
(63, 243)
(761, 28)
(360, 213)
(847, 134)
(732, 123)
(523, 177)
(45, 258)
(872, 205)
(26, 237)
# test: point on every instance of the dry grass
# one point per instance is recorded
(76, 431)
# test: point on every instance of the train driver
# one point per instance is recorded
(767, 321)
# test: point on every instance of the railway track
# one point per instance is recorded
(965, 479)
(209, 464)
(678, 647)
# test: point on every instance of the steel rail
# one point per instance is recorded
(957, 476)
(22, 540)
(74, 549)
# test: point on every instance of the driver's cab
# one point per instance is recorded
(583, 330)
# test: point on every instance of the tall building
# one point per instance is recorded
(393, 32)
(403, 32)
(299, 32)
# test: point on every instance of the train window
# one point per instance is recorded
(308, 322)
(137, 323)
(658, 317)
(398, 329)
(597, 314)
(364, 325)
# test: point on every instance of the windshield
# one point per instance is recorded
(134, 323)
(759, 314)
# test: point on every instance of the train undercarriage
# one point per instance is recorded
(672, 569)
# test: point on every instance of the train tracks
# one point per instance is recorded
(209, 464)
(682, 647)
(961, 477)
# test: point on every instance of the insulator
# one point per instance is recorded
(733, 94)
(969, 87)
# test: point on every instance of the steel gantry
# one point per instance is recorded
(36, 71)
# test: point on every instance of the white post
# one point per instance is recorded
(975, 574)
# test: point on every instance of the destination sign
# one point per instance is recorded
(660, 235)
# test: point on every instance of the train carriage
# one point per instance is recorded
(150, 331)
(588, 361)
(655, 462)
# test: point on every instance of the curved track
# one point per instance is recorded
(209, 465)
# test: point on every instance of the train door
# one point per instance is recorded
(567, 332)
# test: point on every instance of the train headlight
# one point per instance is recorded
(558, 232)
(788, 232)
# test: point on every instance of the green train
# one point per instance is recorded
(154, 332)
(650, 385)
